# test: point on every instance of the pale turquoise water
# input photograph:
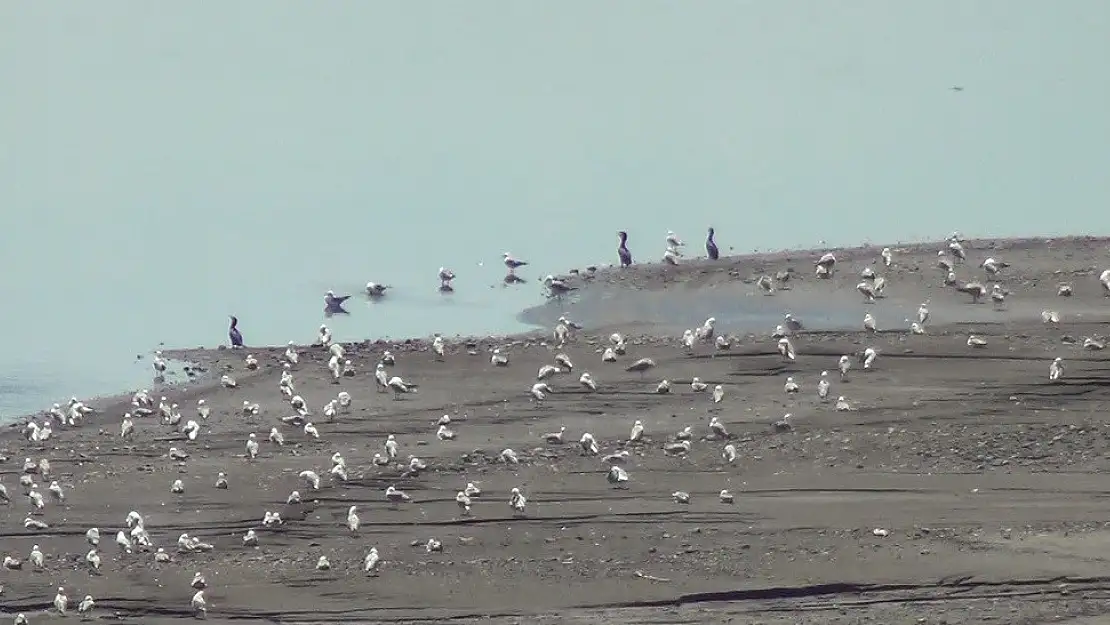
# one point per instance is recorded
(163, 165)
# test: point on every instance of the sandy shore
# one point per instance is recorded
(965, 487)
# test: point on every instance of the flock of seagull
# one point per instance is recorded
(134, 538)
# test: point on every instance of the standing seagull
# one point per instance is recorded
(1056, 369)
(622, 250)
(445, 278)
(513, 263)
(711, 246)
(557, 288)
(233, 333)
(333, 304)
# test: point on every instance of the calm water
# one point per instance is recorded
(165, 165)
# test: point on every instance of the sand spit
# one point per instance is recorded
(963, 486)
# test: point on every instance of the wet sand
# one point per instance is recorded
(986, 481)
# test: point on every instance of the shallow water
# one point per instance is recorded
(154, 180)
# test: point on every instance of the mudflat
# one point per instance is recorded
(963, 485)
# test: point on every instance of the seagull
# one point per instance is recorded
(445, 434)
(517, 501)
(564, 362)
(445, 278)
(729, 453)
(671, 256)
(400, 387)
(1056, 369)
(975, 341)
(617, 476)
(1050, 316)
(498, 359)
(87, 604)
(438, 346)
(923, 312)
(697, 385)
(842, 404)
(375, 290)
(766, 284)
(221, 481)
(371, 561)
(888, 256)
(540, 390)
(61, 601)
(555, 438)
(587, 381)
(791, 387)
(637, 433)
(588, 444)
(975, 289)
(844, 365)
(641, 366)
(868, 357)
(718, 394)
(199, 605)
(333, 304)
(623, 254)
(786, 349)
(159, 364)
(311, 479)
(823, 386)
(867, 290)
(291, 352)
(993, 266)
(825, 265)
(869, 323)
(463, 502)
(726, 497)
(792, 324)
(395, 496)
(547, 372)
(1091, 344)
(681, 496)
(916, 328)
(352, 519)
(718, 428)
(663, 387)
(512, 264)
(705, 331)
(556, 287)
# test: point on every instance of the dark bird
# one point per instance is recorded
(622, 250)
(956, 88)
(333, 304)
(234, 334)
(711, 246)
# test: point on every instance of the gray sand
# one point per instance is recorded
(985, 479)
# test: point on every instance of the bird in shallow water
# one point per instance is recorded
(333, 304)
(375, 290)
(623, 254)
(711, 246)
(512, 264)
(445, 278)
(233, 333)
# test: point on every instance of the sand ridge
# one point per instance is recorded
(984, 479)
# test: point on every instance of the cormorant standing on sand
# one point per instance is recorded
(234, 334)
(711, 246)
(622, 250)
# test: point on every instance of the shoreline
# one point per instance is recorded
(738, 273)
